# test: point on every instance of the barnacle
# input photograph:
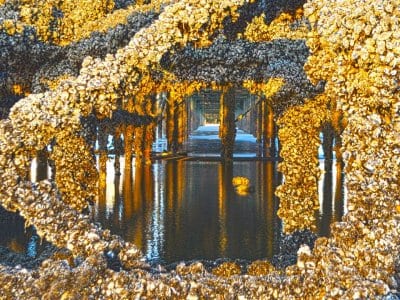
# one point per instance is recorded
(299, 133)
(284, 26)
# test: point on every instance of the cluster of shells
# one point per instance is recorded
(232, 61)
(11, 27)
(61, 21)
(284, 26)
(60, 61)
(299, 129)
(358, 261)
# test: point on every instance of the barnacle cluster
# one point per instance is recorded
(48, 62)
(299, 129)
(354, 49)
(284, 26)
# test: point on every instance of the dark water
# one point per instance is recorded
(183, 210)
(186, 209)
(17, 238)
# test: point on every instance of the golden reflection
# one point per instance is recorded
(180, 182)
(127, 192)
(241, 185)
(268, 186)
(339, 193)
(128, 145)
(16, 246)
(171, 184)
(225, 177)
(102, 179)
(116, 184)
(143, 195)
(148, 182)
(138, 188)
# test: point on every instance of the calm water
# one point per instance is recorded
(186, 209)
(182, 210)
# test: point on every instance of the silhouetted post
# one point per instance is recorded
(117, 149)
(182, 124)
(148, 139)
(268, 135)
(172, 130)
(327, 145)
(41, 170)
(128, 145)
(227, 129)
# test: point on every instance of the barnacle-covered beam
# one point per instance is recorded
(285, 26)
(49, 61)
(238, 61)
(269, 10)
(64, 22)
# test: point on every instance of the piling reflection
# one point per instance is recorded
(331, 196)
(182, 210)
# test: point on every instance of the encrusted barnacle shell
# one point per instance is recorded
(227, 269)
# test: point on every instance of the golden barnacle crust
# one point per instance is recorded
(11, 27)
(68, 24)
(299, 129)
(227, 269)
(54, 83)
(358, 57)
(260, 268)
(64, 22)
(264, 89)
(76, 176)
(110, 20)
(284, 26)
(360, 64)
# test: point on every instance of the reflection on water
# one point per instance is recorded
(332, 198)
(16, 237)
(184, 209)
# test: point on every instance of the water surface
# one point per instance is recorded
(183, 209)
(186, 208)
